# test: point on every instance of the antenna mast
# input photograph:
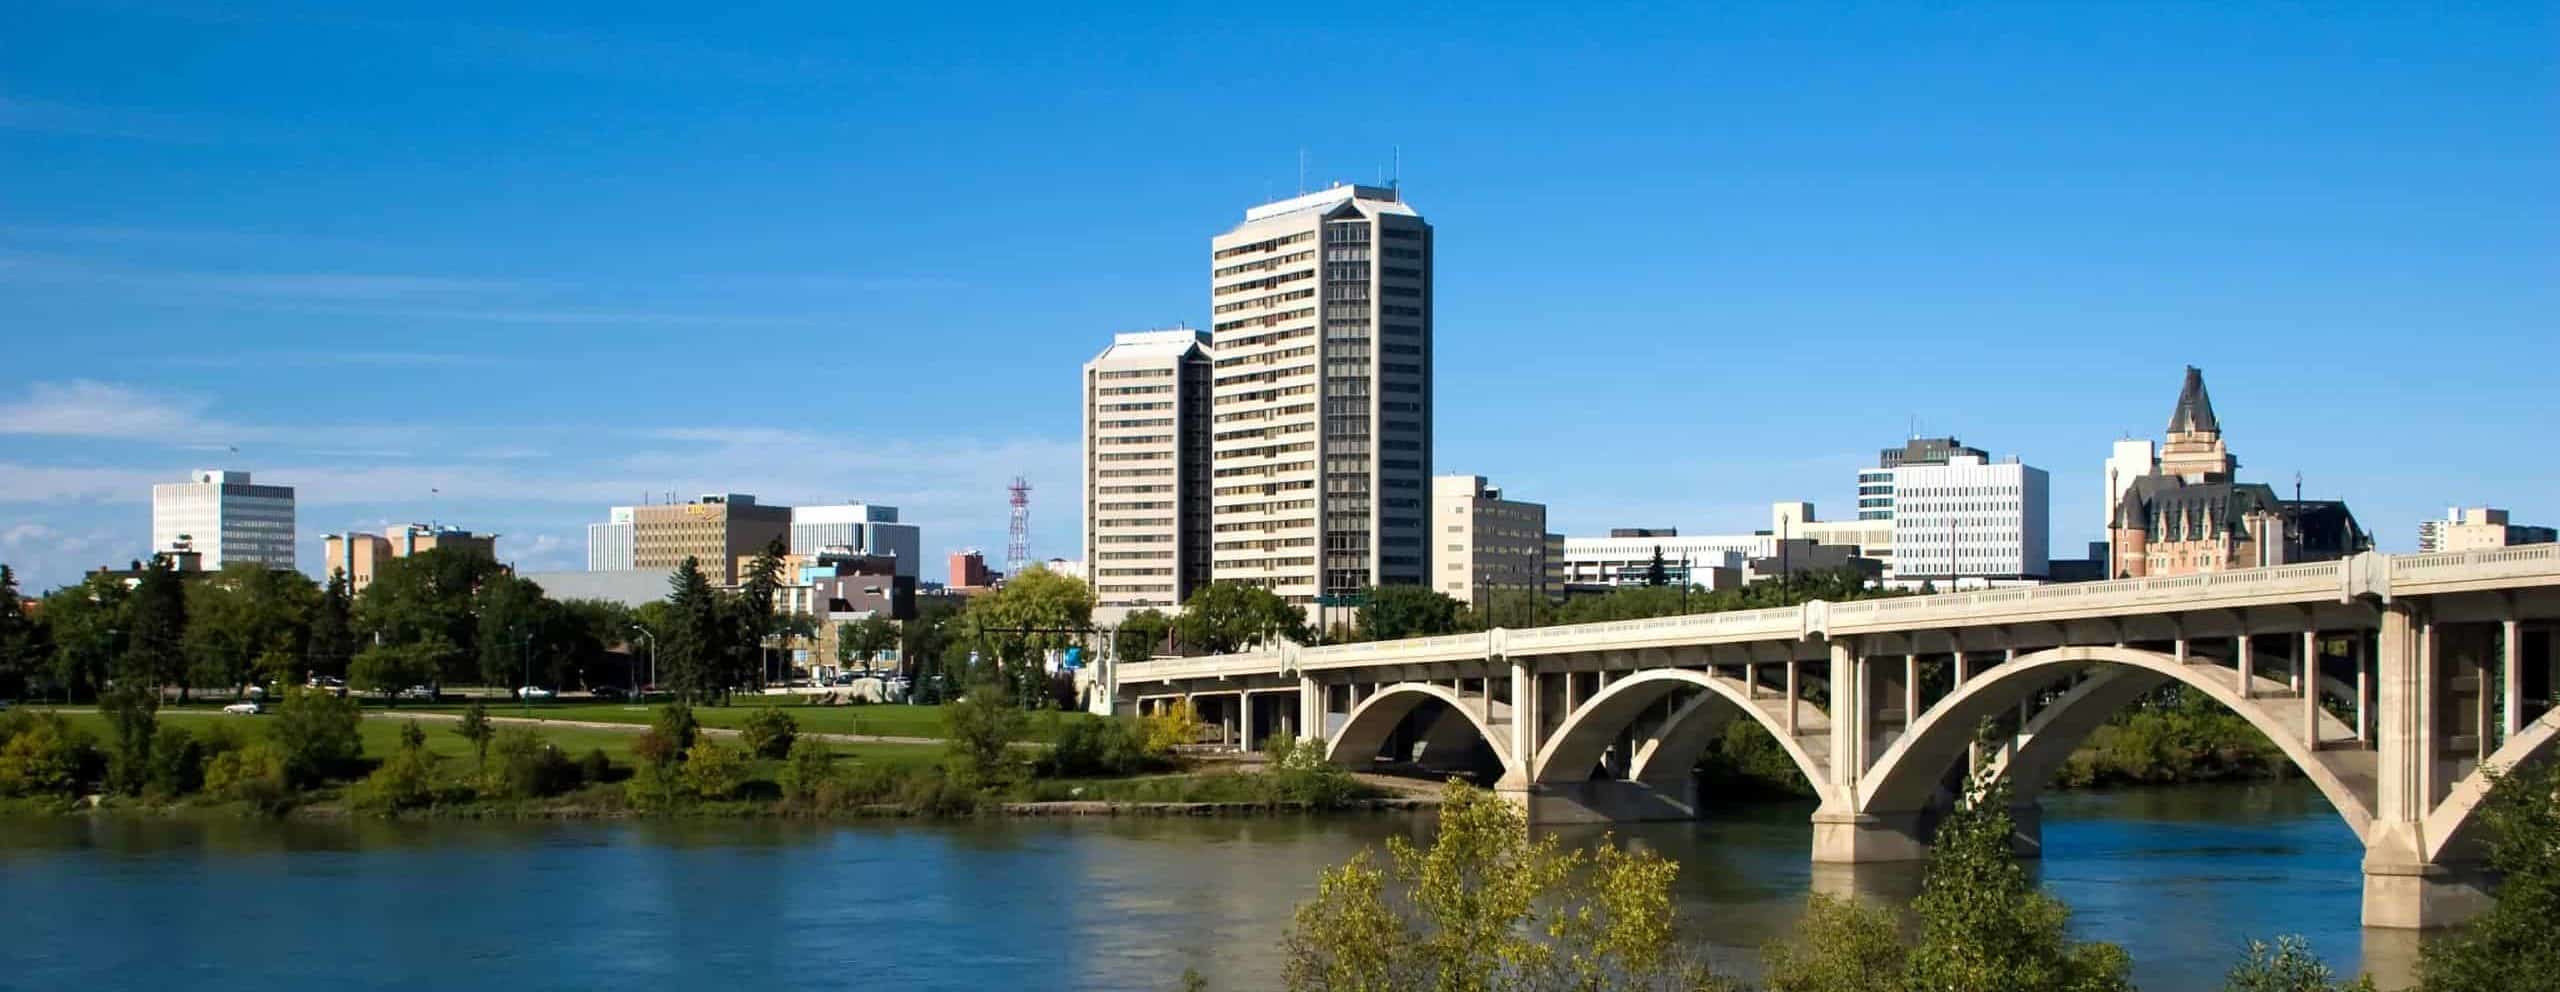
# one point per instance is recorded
(1017, 551)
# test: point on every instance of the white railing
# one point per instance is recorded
(2302, 582)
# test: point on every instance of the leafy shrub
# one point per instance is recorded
(656, 785)
(2287, 966)
(713, 770)
(132, 714)
(595, 767)
(769, 732)
(935, 792)
(528, 767)
(675, 723)
(1841, 945)
(1094, 748)
(177, 763)
(46, 757)
(981, 727)
(251, 773)
(315, 735)
(1297, 772)
(405, 780)
(1174, 726)
(806, 771)
(859, 784)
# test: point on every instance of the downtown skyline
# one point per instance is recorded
(2368, 284)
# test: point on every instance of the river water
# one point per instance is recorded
(2180, 876)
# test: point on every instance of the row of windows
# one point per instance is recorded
(1268, 320)
(1135, 374)
(1267, 302)
(1267, 263)
(1268, 357)
(1258, 246)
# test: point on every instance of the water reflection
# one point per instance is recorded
(2180, 876)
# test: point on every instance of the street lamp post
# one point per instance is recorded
(524, 695)
(653, 661)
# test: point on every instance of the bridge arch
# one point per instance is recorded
(1369, 724)
(2451, 826)
(1577, 745)
(1906, 776)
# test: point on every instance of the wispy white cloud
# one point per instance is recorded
(44, 556)
(85, 408)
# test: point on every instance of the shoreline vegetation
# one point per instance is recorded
(320, 757)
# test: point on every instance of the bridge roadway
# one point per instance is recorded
(2391, 682)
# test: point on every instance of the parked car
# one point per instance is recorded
(609, 693)
(426, 692)
(245, 707)
(535, 692)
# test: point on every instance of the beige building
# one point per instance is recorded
(2471, 528)
(716, 529)
(1321, 401)
(359, 556)
(1486, 542)
(1146, 471)
(2190, 515)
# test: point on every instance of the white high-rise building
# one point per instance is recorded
(863, 528)
(1146, 471)
(1321, 401)
(2127, 463)
(609, 544)
(1970, 522)
(224, 517)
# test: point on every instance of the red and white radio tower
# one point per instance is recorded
(1017, 552)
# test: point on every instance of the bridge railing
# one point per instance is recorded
(2205, 590)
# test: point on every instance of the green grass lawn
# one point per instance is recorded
(882, 719)
(382, 736)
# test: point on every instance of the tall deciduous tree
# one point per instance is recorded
(23, 650)
(242, 617)
(333, 634)
(2516, 944)
(1985, 927)
(524, 635)
(865, 640)
(1393, 612)
(1141, 635)
(424, 595)
(156, 629)
(87, 625)
(1228, 616)
(1015, 627)
(755, 616)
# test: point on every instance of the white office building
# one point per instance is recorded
(862, 527)
(609, 544)
(1146, 471)
(1625, 561)
(225, 518)
(1970, 523)
(1321, 398)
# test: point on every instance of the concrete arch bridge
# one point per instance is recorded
(2390, 682)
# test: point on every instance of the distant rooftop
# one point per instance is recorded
(1328, 197)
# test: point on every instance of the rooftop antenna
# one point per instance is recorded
(1398, 179)
(2297, 487)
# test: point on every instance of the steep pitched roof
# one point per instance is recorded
(2195, 409)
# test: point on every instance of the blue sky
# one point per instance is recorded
(1693, 258)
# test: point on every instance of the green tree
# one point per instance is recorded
(1140, 634)
(1225, 617)
(792, 628)
(1984, 926)
(156, 629)
(24, 647)
(696, 640)
(923, 641)
(1514, 608)
(1487, 907)
(755, 621)
(863, 642)
(768, 732)
(86, 624)
(332, 643)
(405, 779)
(315, 735)
(1015, 627)
(809, 766)
(390, 668)
(2515, 945)
(132, 712)
(1390, 613)
(238, 617)
(426, 596)
(1841, 945)
(713, 770)
(476, 728)
(526, 638)
(2289, 966)
(1657, 572)
(981, 728)
(47, 757)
